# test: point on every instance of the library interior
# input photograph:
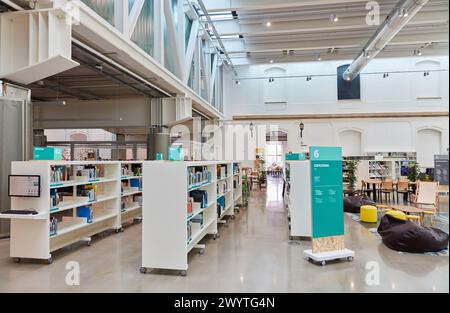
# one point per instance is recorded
(224, 146)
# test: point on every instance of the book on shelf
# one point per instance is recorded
(198, 175)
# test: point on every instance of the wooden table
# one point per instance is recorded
(375, 183)
(410, 210)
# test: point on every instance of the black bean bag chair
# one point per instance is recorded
(353, 204)
(406, 236)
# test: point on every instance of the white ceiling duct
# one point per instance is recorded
(403, 12)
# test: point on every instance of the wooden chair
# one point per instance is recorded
(364, 190)
(403, 189)
(387, 188)
(255, 180)
(427, 196)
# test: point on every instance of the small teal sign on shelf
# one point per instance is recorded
(48, 154)
(296, 157)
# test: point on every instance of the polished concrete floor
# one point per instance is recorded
(253, 254)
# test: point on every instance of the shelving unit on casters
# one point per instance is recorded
(30, 237)
(229, 195)
(136, 213)
(325, 257)
(165, 242)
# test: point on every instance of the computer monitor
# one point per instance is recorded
(24, 186)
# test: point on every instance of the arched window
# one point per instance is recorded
(351, 142)
(427, 83)
(429, 144)
(275, 89)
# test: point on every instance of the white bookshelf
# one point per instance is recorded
(225, 190)
(165, 240)
(237, 183)
(131, 173)
(30, 234)
(298, 198)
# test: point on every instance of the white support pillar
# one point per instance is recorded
(213, 77)
(192, 45)
(174, 39)
(158, 34)
(134, 16)
(121, 15)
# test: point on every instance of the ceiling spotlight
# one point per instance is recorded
(403, 12)
(385, 75)
(366, 54)
(271, 61)
(417, 52)
(319, 58)
(268, 24)
(238, 82)
(308, 78)
(334, 18)
(425, 74)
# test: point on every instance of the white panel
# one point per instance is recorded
(300, 199)
(35, 48)
(427, 86)
(428, 145)
(275, 91)
(34, 38)
(43, 36)
(350, 141)
(42, 70)
(389, 137)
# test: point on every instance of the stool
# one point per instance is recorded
(383, 207)
(414, 218)
(369, 214)
(397, 214)
(432, 215)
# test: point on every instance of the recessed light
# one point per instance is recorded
(268, 24)
(271, 61)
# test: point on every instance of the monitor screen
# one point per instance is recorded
(28, 186)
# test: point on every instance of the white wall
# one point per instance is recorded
(426, 136)
(400, 92)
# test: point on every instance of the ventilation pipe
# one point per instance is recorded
(403, 12)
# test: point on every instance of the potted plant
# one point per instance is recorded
(413, 172)
(352, 172)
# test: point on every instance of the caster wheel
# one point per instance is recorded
(49, 260)
(233, 217)
(17, 260)
(201, 252)
(323, 263)
(183, 273)
(89, 243)
(350, 259)
(143, 270)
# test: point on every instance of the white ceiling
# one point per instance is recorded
(305, 28)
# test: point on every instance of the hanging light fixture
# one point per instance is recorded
(334, 18)
(417, 52)
(302, 129)
(319, 58)
(366, 54)
(385, 75)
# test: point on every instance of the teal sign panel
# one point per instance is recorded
(47, 154)
(296, 157)
(327, 192)
(176, 154)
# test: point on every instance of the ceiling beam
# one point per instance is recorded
(247, 5)
(235, 27)
(330, 42)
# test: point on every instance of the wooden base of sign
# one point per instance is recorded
(327, 244)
